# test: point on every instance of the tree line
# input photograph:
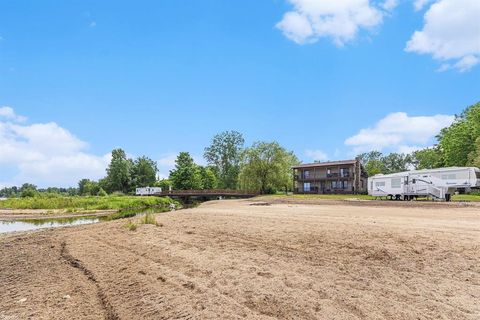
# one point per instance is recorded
(265, 167)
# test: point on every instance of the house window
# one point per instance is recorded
(339, 184)
(306, 174)
(396, 183)
(306, 187)
(344, 172)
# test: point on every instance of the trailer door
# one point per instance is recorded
(405, 184)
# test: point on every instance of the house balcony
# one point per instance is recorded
(336, 175)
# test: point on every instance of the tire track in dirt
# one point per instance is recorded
(110, 313)
(181, 280)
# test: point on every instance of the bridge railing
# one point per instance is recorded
(207, 192)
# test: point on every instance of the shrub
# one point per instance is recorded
(132, 226)
(149, 219)
(28, 193)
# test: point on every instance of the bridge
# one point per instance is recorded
(206, 194)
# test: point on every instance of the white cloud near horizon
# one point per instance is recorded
(316, 155)
(399, 132)
(45, 154)
(339, 20)
(451, 33)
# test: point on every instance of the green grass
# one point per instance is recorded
(132, 226)
(149, 219)
(77, 203)
(466, 197)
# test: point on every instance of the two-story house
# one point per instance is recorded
(346, 176)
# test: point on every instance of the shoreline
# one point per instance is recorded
(21, 214)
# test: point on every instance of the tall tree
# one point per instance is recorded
(474, 156)
(224, 154)
(458, 141)
(266, 167)
(397, 162)
(144, 172)
(118, 172)
(428, 158)
(186, 175)
(373, 162)
(208, 178)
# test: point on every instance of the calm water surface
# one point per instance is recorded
(34, 224)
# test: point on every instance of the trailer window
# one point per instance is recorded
(396, 183)
(477, 173)
(380, 184)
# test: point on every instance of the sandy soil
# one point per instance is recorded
(231, 260)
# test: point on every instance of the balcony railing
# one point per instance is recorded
(329, 176)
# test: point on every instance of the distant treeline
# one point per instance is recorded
(264, 167)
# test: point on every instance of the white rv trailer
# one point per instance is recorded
(147, 191)
(438, 184)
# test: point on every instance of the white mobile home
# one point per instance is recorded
(147, 191)
(438, 184)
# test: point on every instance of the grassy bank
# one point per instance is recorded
(78, 203)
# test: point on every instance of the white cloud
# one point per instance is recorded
(92, 24)
(340, 20)
(165, 164)
(8, 113)
(451, 34)
(316, 155)
(420, 4)
(399, 132)
(390, 5)
(45, 153)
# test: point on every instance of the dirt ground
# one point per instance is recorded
(232, 260)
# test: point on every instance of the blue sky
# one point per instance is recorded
(159, 77)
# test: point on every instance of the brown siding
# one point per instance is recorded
(330, 178)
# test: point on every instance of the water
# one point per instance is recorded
(34, 224)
